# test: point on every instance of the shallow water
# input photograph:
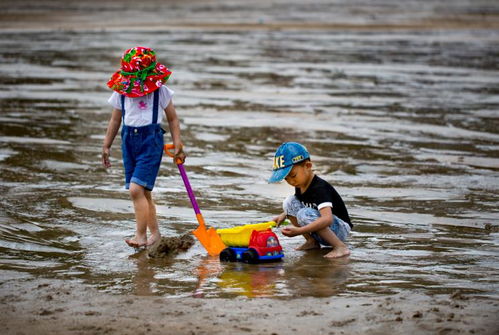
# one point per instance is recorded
(403, 123)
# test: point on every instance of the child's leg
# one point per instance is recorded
(339, 248)
(327, 235)
(142, 152)
(291, 207)
(152, 222)
(141, 208)
(334, 235)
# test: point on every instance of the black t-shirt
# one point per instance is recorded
(321, 194)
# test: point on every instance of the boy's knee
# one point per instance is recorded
(291, 205)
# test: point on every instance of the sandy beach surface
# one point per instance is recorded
(57, 307)
(41, 304)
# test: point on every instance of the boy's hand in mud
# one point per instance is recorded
(279, 219)
(290, 231)
(106, 152)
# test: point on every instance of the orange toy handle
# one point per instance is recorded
(168, 148)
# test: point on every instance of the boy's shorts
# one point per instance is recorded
(142, 149)
(306, 215)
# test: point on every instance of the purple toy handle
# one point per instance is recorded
(189, 188)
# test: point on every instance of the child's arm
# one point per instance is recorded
(174, 125)
(112, 130)
(325, 220)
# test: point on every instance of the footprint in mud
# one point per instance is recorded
(170, 246)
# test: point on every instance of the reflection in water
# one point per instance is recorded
(308, 274)
(143, 280)
(207, 269)
(255, 280)
(313, 275)
(403, 123)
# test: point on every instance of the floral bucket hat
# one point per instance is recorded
(140, 74)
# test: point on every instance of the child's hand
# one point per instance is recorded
(179, 155)
(106, 152)
(290, 231)
(279, 219)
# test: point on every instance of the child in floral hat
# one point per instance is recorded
(316, 210)
(139, 97)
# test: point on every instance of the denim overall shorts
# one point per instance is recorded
(142, 149)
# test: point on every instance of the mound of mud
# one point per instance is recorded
(170, 246)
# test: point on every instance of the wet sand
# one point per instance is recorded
(56, 307)
(386, 15)
(33, 301)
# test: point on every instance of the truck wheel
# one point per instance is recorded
(250, 256)
(228, 255)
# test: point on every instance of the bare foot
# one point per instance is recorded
(338, 253)
(309, 244)
(134, 243)
(153, 239)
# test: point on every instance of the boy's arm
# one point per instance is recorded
(112, 130)
(174, 125)
(322, 222)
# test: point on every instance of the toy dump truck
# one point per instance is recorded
(252, 243)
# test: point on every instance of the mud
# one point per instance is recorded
(169, 246)
(68, 308)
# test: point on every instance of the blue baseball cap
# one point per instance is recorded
(285, 157)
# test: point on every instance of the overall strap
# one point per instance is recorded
(155, 107)
(123, 108)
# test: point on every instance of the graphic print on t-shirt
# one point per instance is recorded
(309, 204)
